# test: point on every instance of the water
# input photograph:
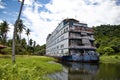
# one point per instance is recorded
(87, 71)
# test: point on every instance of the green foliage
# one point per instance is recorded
(3, 32)
(28, 68)
(107, 36)
(108, 50)
(7, 50)
(110, 59)
(21, 47)
(40, 50)
(100, 50)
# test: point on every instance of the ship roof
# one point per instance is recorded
(70, 19)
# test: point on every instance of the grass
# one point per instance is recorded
(27, 68)
(110, 59)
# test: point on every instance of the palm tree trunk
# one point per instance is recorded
(14, 33)
(20, 39)
(28, 43)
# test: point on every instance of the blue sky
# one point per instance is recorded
(42, 16)
(10, 9)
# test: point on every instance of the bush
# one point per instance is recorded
(100, 51)
(116, 47)
(7, 50)
(108, 51)
(116, 57)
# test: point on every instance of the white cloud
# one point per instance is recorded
(92, 12)
(1, 5)
(10, 33)
(38, 24)
(28, 2)
(105, 12)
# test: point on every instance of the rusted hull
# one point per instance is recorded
(79, 59)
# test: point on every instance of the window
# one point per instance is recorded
(61, 32)
(57, 40)
(61, 51)
(62, 37)
(62, 46)
(66, 29)
(57, 47)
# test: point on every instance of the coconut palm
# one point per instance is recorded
(20, 28)
(3, 31)
(14, 33)
(31, 42)
(28, 33)
(34, 44)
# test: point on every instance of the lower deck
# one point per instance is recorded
(90, 56)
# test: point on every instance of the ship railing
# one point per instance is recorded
(82, 47)
(80, 24)
(61, 54)
(79, 37)
(80, 30)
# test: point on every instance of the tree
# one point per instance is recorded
(9, 43)
(108, 50)
(28, 33)
(24, 43)
(14, 33)
(3, 31)
(30, 46)
(40, 50)
(107, 36)
(31, 42)
(34, 44)
(20, 28)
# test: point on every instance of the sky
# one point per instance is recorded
(43, 16)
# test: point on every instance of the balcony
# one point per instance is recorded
(80, 24)
(79, 29)
(79, 37)
(82, 47)
(75, 37)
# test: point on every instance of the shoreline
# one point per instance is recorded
(28, 67)
(112, 59)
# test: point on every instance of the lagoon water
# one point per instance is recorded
(87, 71)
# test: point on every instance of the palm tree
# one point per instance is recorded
(31, 42)
(28, 33)
(14, 33)
(30, 47)
(20, 28)
(34, 44)
(3, 31)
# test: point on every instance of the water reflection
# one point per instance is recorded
(76, 71)
(87, 71)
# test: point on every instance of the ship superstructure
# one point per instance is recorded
(72, 41)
